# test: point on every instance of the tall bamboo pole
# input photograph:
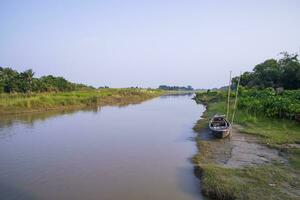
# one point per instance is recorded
(228, 96)
(236, 99)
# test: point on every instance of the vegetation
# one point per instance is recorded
(165, 87)
(261, 103)
(273, 131)
(18, 103)
(284, 73)
(12, 81)
(268, 107)
(272, 89)
(22, 92)
(271, 104)
(274, 180)
(259, 182)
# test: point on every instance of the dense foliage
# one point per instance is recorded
(266, 102)
(165, 87)
(284, 73)
(272, 104)
(24, 82)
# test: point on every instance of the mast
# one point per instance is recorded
(228, 96)
(236, 99)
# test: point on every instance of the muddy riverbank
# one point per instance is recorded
(242, 166)
(238, 150)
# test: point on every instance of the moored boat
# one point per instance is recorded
(219, 126)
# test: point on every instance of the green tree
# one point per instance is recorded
(272, 73)
(267, 74)
(1, 80)
(26, 81)
(291, 71)
(9, 79)
(13, 81)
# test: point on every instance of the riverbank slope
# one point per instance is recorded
(260, 161)
(37, 102)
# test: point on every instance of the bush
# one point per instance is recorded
(271, 104)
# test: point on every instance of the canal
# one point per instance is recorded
(133, 152)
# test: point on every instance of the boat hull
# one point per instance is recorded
(219, 126)
(221, 134)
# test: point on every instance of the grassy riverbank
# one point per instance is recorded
(34, 102)
(273, 180)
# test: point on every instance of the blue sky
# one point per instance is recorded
(146, 43)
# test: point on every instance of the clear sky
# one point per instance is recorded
(146, 43)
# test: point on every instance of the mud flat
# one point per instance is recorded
(239, 150)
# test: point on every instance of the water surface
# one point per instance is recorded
(134, 152)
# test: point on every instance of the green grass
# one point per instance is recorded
(251, 183)
(18, 103)
(272, 131)
(294, 157)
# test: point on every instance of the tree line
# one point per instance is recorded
(23, 82)
(281, 73)
(165, 87)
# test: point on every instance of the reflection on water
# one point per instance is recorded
(134, 152)
(30, 118)
(186, 94)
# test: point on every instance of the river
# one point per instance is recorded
(134, 152)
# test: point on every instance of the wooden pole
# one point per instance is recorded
(236, 99)
(228, 96)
